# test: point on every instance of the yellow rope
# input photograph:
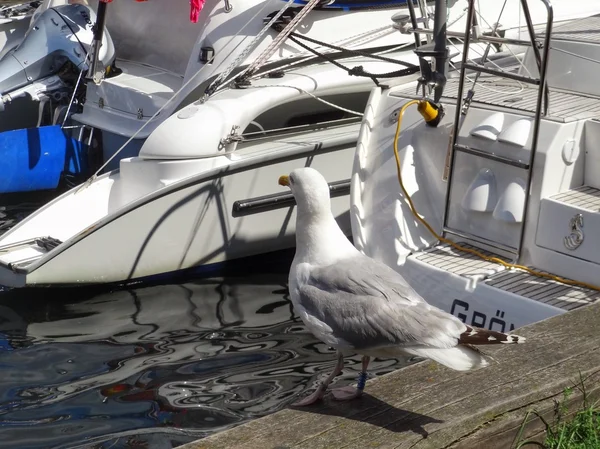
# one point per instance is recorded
(453, 244)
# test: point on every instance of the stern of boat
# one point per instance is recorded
(511, 191)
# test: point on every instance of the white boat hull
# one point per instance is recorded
(174, 208)
(188, 224)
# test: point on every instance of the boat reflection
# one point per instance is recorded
(156, 366)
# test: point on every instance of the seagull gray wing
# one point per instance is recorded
(364, 304)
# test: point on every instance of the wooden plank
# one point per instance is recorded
(427, 406)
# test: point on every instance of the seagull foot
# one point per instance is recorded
(320, 392)
(309, 400)
(346, 393)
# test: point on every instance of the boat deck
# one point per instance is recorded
(519, 282)
(584, 30)
(512, 95)
(564, 106)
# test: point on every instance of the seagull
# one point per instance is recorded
(358, 305)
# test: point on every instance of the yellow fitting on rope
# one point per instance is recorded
(428, 111)
(448, 241)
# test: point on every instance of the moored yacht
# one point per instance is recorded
(202, 190)
(491, 214)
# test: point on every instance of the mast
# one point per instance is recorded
(433, 73)
(440, 50)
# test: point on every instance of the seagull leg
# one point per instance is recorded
(317, 395)
(349, 392)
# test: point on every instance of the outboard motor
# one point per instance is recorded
(48, 60)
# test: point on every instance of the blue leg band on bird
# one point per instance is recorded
(362, 380)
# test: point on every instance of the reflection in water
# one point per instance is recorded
(153, 367)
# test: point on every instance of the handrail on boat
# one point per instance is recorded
(463, 104)
(495, 39)
(542, 94)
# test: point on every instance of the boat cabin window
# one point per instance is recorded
(306, 113)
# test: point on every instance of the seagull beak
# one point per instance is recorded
(284, 180)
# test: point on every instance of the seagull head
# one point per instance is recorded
(310, 191)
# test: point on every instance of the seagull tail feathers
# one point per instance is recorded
(459, 358)
(478, 336)
(465, 356)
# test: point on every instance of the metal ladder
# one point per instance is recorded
(463, 104)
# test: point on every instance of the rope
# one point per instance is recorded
(358, 70)
(334, 54)
(333, 105)
(354, 40)
(457, 246)
(237, 61)
(349, 51)
(280, 38)
(358, 39)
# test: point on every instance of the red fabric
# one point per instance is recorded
(197, 6)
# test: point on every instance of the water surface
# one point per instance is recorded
(153, 367)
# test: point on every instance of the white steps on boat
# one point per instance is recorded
(445, 257)
(584, 197)
(517, 282)
(574, 217)
(547, 291)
